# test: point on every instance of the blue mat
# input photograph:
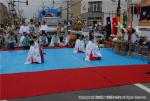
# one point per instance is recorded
(13, 61)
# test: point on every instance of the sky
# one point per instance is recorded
(34, 5)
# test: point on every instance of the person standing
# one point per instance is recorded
(31, 27)
(43, 27)
(58, 29)
(24, 28)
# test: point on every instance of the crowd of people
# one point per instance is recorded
(20, 36)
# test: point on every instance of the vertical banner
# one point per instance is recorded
(121, 24)
(114, 24)
(108, 19)
(125, 21)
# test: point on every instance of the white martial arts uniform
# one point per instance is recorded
(79, 46)
(92, 49)
(43, 28)
(66, 40)
(24, 29)
(34, 55)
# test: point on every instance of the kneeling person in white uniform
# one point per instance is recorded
(34, 55)
(92, 50)
(79, 45)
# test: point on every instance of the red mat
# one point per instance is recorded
(23, 85)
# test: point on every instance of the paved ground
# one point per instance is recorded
(131, 92)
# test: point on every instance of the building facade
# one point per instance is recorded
(95, 11)
(3, 13)
(75, 8)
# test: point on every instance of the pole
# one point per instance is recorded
(118, 16)
(118, 9)
(67, 14)
(12, 11)
(53, 4)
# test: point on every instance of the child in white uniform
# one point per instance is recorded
(92, 50)
(79, 45)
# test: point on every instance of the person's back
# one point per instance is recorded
(10, 40)
(43, 40)
(26, 42)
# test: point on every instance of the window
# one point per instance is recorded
(113, 0)
(95, 6)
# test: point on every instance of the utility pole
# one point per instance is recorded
(119, 9)
(53, 4)
(12, 6)
(67, 14)
(118, 16)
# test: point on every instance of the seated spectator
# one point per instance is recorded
(66, 40)
(10, 40)
(141, 40)
(147, 43)
(25, 41)
(1, 39)
(43, 39)
(55, 41)
(134, 37)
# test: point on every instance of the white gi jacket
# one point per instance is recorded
(79, 46)
(34, 55)
(92, 48)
